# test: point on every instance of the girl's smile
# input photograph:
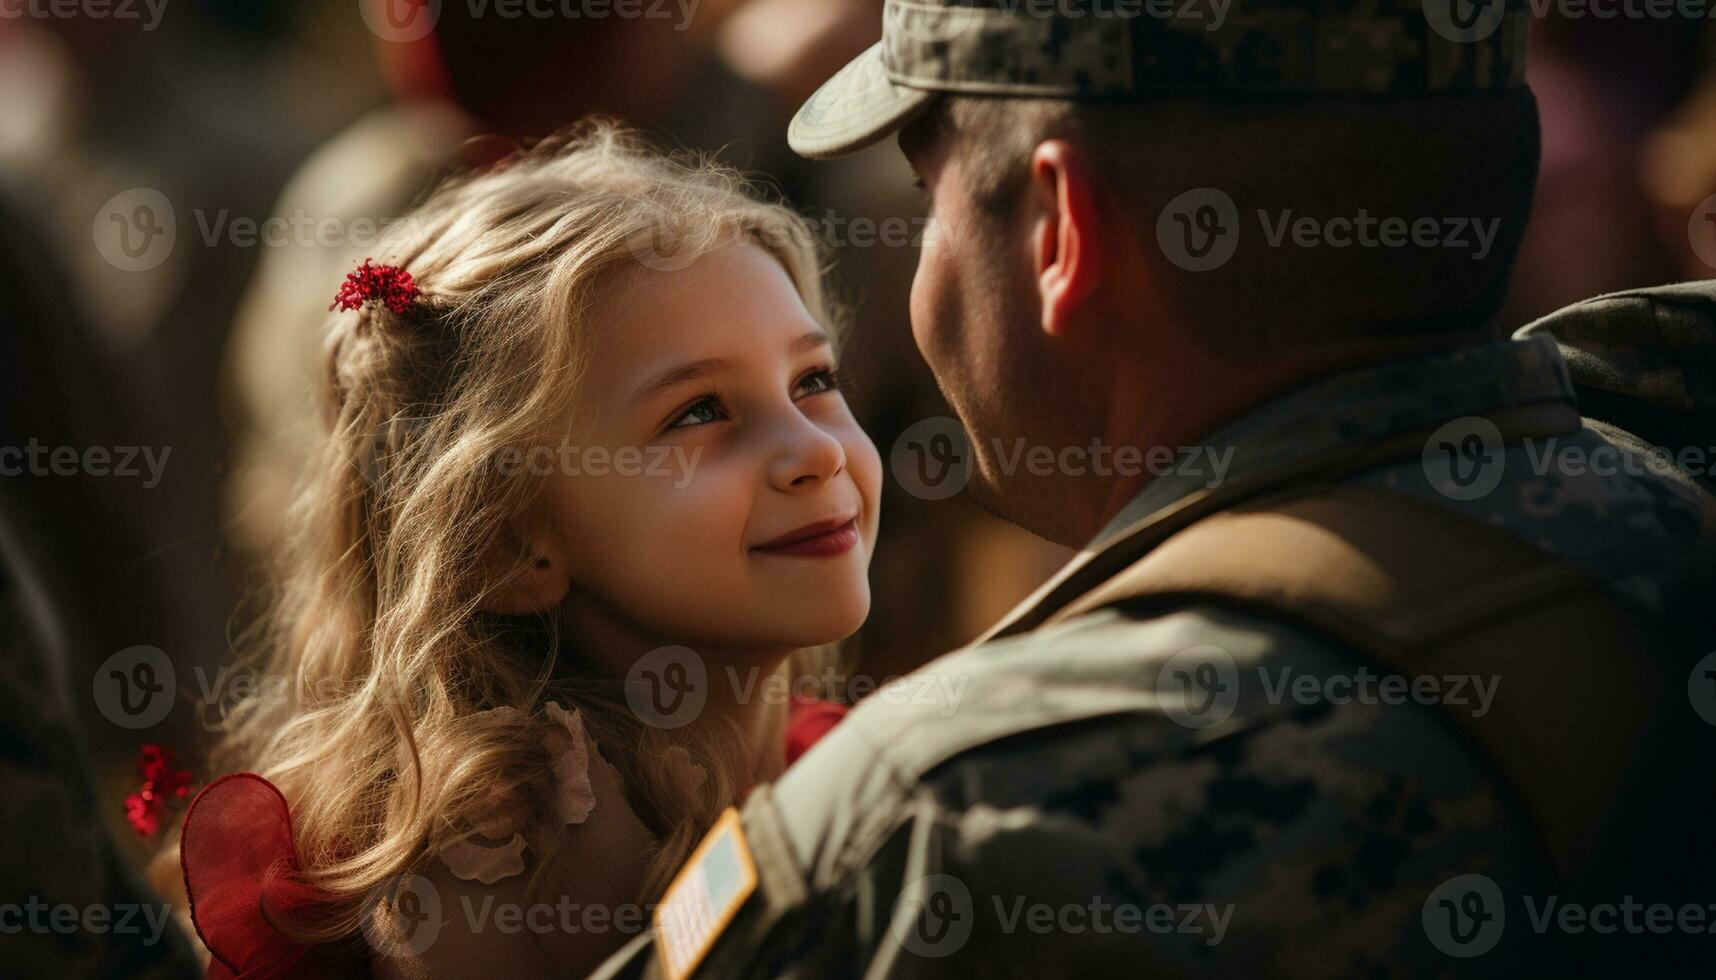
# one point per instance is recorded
(819, 540)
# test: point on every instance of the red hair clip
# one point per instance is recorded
(390, 284)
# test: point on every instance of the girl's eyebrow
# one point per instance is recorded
(694, 370)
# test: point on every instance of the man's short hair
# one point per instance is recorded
(1449, 160)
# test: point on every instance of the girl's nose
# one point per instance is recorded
(808, 456)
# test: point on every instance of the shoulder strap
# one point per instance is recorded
(1423, 590)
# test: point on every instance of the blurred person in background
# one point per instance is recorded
(118, 144)
(1605, 85)
(64, 581)
(1678, 168)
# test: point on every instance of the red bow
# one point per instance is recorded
(242, 876)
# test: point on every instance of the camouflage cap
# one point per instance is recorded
(1137, 49)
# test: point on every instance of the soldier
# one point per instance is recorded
(1382, 662)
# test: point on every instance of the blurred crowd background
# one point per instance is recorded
(149, 303)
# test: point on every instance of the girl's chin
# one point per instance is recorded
(812, 621)
(804, 631)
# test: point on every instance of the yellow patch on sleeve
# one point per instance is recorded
(704, 897)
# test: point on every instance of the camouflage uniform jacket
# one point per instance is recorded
(1045, 805)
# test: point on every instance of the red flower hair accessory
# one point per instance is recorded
(390, 284)
(161, 785)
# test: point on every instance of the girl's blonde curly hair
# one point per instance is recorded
(404, 528)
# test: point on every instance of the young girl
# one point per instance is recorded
(589, 484)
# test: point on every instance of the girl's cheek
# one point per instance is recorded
(705, 499)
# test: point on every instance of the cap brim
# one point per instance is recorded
(857, 107)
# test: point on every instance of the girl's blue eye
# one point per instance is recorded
(709, 408)
(821, 380)
(701, 412)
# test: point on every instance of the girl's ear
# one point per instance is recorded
(542, 584)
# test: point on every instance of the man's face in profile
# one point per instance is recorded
(973, 303)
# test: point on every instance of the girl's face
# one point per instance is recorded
(715, 488)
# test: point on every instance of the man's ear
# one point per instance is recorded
(1070, 251)
(540, 586)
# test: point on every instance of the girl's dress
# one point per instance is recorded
(239, 861)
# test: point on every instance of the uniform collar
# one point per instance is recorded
(1363, 405)
(1324, 420)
